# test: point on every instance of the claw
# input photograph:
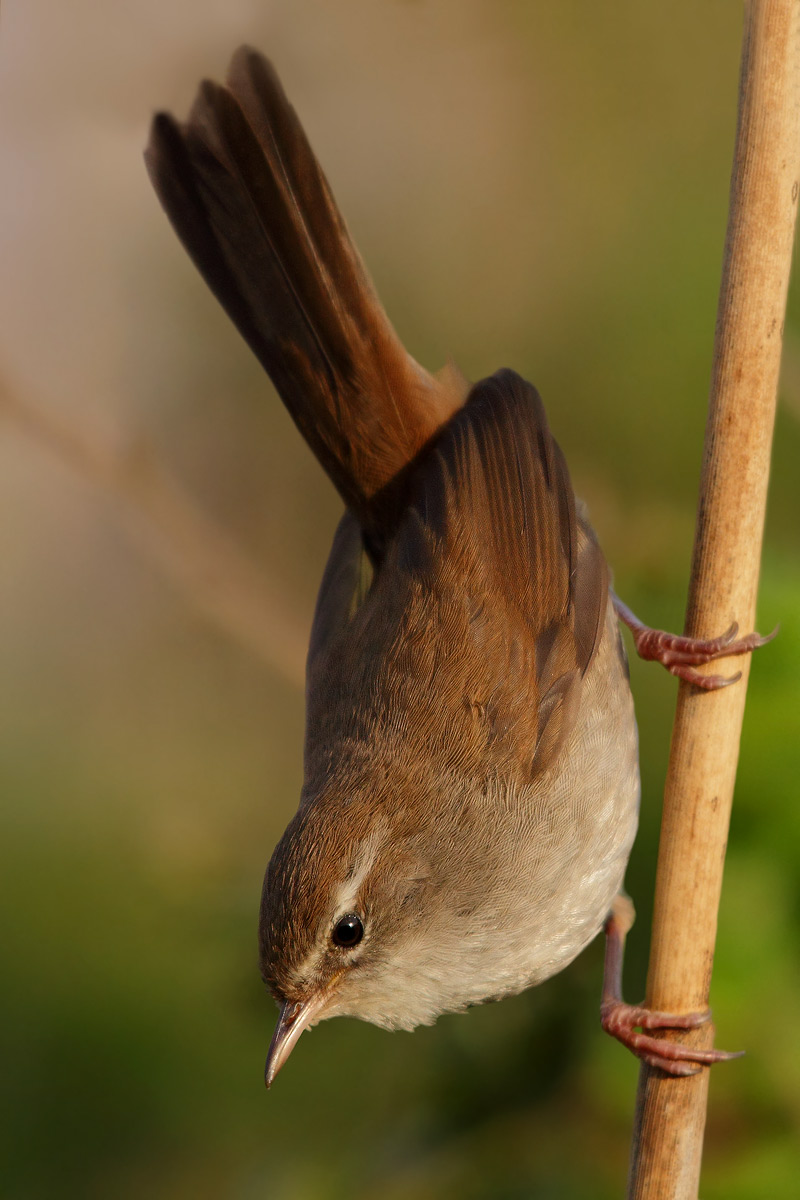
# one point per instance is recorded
(620, 1020)
(709, 683)
(681, 655)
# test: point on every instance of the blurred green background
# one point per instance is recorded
(535, 185)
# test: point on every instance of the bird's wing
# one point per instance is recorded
(475, 631)
(247, 197)
(492, 528)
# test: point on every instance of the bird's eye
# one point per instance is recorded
(348, 931)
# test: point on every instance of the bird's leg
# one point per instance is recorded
(682, 655)
(621, 1019)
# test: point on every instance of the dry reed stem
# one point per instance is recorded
(670, 1120)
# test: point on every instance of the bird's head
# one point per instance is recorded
(337, 907)
(355, 921)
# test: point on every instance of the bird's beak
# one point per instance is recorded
(295, 1016)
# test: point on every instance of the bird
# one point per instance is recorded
(471, 780)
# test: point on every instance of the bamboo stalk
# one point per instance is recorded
(670, 1117)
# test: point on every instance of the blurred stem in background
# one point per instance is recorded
(187, 543)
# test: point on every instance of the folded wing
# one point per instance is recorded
(496, 587)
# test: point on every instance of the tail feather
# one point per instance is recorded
(246, 196)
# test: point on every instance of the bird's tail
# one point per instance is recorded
(247, 197)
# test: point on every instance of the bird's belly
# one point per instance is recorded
(570, 836)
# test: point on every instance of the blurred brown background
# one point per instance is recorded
(535, 185)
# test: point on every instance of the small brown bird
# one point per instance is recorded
(471, 776)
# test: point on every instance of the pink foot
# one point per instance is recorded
(681, 655)
(620, 1020)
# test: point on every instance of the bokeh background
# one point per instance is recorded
(532, 184)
